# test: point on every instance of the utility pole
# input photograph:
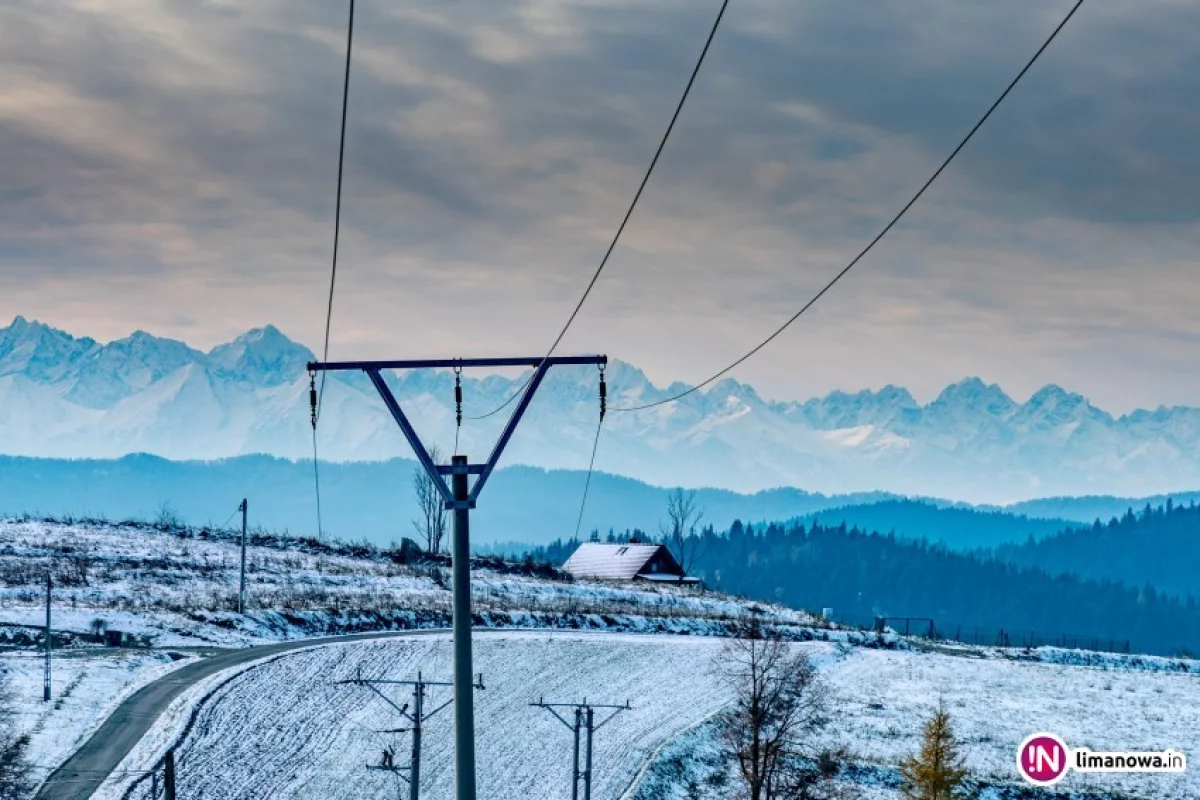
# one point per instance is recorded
(417, 717)
(460, 498)
(169, 774)
(49, 644)
(585, 724)
(242, 584)
(464, 709)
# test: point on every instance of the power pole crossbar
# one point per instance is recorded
(585, 725)
(460, 497)
(418, 717)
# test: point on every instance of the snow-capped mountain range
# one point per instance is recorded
(68, 397)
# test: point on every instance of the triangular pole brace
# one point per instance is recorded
(438, 471)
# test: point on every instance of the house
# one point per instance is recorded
(626, 562)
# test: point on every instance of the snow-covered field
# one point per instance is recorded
(179, 588)
(883, 698)
(86, 686)
(286, 728)
(176, 589)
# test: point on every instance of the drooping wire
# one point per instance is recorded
(628, 213)
(880, 235)
(595, 444)
(315, 396)
(337, 212)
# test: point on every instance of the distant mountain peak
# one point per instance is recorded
(972, 393)
(261, 355)
(73, 397)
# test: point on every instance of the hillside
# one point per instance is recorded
(177, 586)
(1090, 508)
(287, 728)
(173, 588)
(861, 574)
(363, 499)
(75, 397)
(955, 527)
(1157, 547)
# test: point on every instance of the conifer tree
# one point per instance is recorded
(937, 772)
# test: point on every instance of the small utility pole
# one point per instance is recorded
(585, 723)
(242, 584)
(49, 644)
(169, 772)
(460, 498)
(417, 717)
(587, 770)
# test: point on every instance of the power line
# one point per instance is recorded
(628, 213)
(587, 484)
(337, 213)
(317, 397)
(878, 236)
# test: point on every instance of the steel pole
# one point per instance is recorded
(464, 700)
(414, 773)
(242, 584)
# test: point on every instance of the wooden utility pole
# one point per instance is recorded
(242, 582)
(169, 772)
(49, 644)
(585, 724)
(417, 716)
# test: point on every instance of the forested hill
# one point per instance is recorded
(860, 574)
(1158, 546)
(956, 527)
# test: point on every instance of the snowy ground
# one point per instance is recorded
(179, 588)
(286, 728)
(86, 686)
(883, 697)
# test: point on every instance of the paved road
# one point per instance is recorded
(81, 775)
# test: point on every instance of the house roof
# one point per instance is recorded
(614, 561)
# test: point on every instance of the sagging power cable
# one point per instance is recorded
(595, 444)
(628, 213)
(315, 396)
(880, 235)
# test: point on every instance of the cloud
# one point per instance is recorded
(172, 167)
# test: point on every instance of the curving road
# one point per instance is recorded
(83, 773)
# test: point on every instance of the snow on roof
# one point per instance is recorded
(615, 561)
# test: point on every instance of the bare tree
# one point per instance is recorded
(679, 532)
(779, 704)
(431, 525)
(78, 555)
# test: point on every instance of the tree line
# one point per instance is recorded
(861, 574)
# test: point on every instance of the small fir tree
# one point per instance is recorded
(937, 772)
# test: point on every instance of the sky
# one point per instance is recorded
(171, 167)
